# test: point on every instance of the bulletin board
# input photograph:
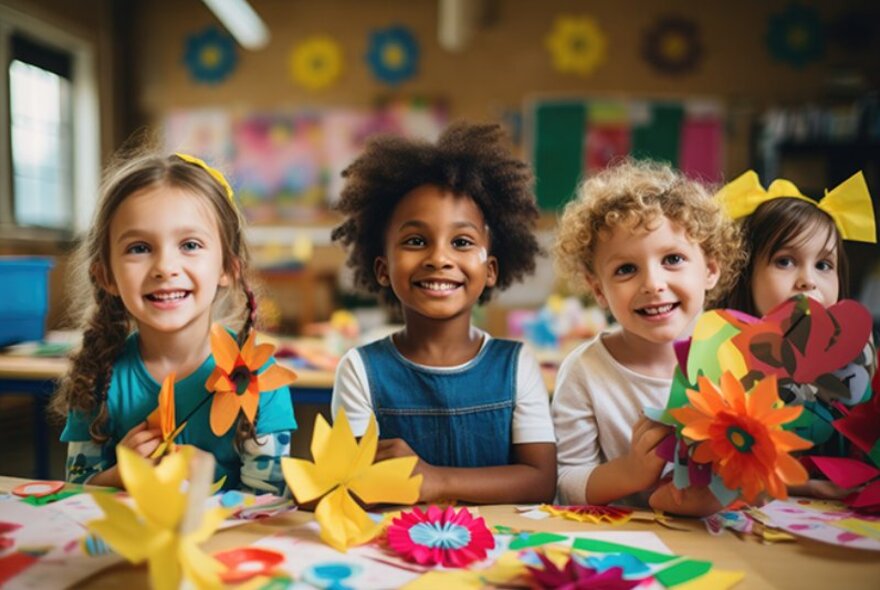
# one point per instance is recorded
(570, 138)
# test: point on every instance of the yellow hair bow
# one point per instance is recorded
(216, 174)
(849, 203)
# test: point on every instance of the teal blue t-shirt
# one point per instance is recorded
(133, 395)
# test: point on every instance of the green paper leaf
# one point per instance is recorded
(597, 546)
(685, 571)
(536, 540)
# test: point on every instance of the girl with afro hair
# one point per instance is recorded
(435, 228)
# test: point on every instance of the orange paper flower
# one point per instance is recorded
(742, 435)
(235, 381)
(162, 418)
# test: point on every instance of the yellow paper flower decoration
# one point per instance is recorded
(153, 530)
(344, 467)
(316, 62)
(577, 45)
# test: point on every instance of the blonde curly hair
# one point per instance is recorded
(635, 194)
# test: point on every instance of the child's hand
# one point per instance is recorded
(431, 490)
(142, 440)
(697, 502)
(644, 464)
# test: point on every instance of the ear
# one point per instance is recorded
(713, 273)
(380, 268)
(228, 277)
(104, 278)
(598, 293)
(491, 271)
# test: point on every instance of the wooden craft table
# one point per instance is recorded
(799, 565)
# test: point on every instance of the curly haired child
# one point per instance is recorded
(435, 228)
(651, 246)
(164, 256)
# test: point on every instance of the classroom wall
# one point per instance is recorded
(505, 63)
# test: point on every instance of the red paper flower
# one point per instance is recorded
(445, 537)
(742, 436)
(575, 576)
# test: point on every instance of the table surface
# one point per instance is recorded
(798, 565)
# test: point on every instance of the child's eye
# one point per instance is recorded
(825, 265)
(137, 249)
(462, 242)
(414, 241)
(625, 269)
(673, 259)
(190, 246)
(783, 262)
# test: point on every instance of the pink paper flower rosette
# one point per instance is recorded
(446, 537)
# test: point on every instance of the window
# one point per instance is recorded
(49, 129)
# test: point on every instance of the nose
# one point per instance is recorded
(654, 280)
(437, 256)
(165, 264)
(806, 281)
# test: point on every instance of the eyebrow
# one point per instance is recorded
(421, 224)
(137, 233)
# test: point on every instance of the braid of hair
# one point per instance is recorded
(85, 387)
(244, 429)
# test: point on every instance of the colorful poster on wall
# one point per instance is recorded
(571, 138)
(287, 165)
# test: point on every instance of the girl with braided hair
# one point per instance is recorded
(164, 259)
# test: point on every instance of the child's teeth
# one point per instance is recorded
(439, 286)
(658, 310)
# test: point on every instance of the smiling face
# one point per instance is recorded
(654, 281)
(166, 259)
(436, 254)
(806, 266)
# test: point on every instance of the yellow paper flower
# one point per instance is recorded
(577, 45)
(152, 530)
(344, 467)
(316, 62)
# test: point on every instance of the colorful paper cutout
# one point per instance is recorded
(342, 467)
(235, 381)
(672, 45)
(166, 524)
(742, 435)
(450, 537)
(210, 55)
(577, 45)
(393, 54)
(576, 575)
(162, 419)
(796, 35)
(244, 563)
(316, 62)
(38, 489)
(591, 514)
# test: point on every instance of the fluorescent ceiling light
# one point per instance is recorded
(241, 21)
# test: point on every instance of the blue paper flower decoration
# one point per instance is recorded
(393, 54)
(796, 35)
(210, 55)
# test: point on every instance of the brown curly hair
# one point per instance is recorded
(470, 160)
(102, 316)
(635, 194)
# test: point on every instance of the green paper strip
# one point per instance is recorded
(874, 454)
(536, 540)
(682, 572)
(42, 501)
(598, 546)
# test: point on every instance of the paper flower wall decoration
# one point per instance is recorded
(210, 55)
(742, 435)
(577, 45)
(316, 62)
(672, 45)
(344, 467)
(235, 381)
(443, 537)
(576, 576)
(393, 55)
(796, 35)
(158, 528)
